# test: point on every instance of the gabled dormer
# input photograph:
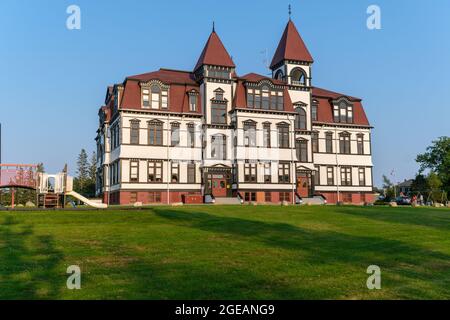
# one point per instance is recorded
(292, 61)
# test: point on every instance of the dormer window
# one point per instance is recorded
(193, 97)
(219, 95)
(265, 98)
(343, 112)
(314, 108)
(155, 96)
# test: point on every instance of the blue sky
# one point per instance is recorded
(53, 80)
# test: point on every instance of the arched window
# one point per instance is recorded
(298, 77)
(159, 97)
(301, 119)
(156, 96)
(279, 75)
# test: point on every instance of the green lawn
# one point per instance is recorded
(212, 252)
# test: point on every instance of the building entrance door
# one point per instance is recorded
(219, 186)
(303, 184)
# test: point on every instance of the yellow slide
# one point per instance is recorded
(87, 201)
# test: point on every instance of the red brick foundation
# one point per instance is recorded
(357, 198)
(150, 197)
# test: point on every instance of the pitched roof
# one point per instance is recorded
(325, 107)
(291, 47)
(214, 53)
(319, 92)
(254, 77)
(167, 76)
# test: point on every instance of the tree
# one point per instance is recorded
(388, 186)
(435, 185)
(437, 160)
(82, 170)
(93, 167)
(420, 184)
(40, 168)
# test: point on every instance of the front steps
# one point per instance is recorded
(227, 201)
(314, 201)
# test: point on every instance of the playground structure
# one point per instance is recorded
(51, 189)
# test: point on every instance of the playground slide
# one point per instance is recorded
(87, 201)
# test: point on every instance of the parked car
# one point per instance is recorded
(403, 201)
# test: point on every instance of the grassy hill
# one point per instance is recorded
(237, 252)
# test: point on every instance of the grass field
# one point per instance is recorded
(212, 252)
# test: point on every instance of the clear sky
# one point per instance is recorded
(53, 80)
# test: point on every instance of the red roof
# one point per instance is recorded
(254, 77)
(291, 47)
(167, 76)
(214, 53)
(325, 107)
(181, 83)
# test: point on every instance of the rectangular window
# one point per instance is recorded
(283, 136)
(250, 98)
(191, 136)
(134, 171)
(344, 143)
(266, 133)
(218, 113)
(134, 132)
(302, 150)
(314, 112)
(315, 142)
(346, 176)
(250, 172)
(284, 174)
(250, 196)
(175, 135)
(175, 172)
(154, 197)
(268, 197)
(329, 142)
(285, 196)
(330, 176)
(145, 98)
(219, 147)
(164, 100)
(155, 132)
(192, 102)
(280, 105)
(267, 172)
(360, 143)
(317, 176)
(155, 171)
(362, 176)
(133, 197)
(250, 134)
(191, 168)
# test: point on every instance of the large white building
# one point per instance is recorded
(193, 136)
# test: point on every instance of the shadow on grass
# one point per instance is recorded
(404, 261)
(422, 217)
(27, 263)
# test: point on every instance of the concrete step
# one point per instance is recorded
(314, 201)
(227, 201)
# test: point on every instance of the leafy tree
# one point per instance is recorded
(435, 185)
(437, 160)
(93, 167)
(420, 184)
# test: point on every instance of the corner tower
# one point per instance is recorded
(292, 61)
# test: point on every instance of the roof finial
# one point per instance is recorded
(214, 26)
(290, 12)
